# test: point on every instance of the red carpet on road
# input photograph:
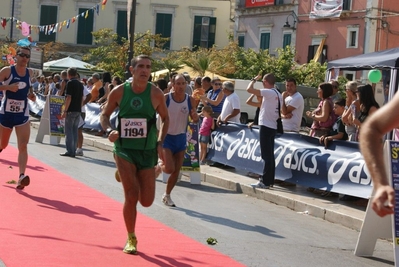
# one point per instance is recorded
(58, 221)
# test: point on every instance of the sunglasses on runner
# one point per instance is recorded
(24, 55)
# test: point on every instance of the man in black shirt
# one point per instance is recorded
(71, 112)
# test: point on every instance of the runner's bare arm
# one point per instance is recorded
(374, 128)
(193, 112)
(371, 145)
(162, 110)
(4, 74)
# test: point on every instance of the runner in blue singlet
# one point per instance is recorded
(14, 110)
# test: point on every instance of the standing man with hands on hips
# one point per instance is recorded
(14, 110)
(136, 144)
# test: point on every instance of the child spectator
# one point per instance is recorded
(207, 125)
(338, 130)
(337, 133)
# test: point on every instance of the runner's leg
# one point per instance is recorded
(23, 134)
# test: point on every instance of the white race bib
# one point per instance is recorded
(133, 128)
(15, 106)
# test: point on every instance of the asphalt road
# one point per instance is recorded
(253, 232)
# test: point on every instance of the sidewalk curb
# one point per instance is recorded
(289, 202)
(241, 184)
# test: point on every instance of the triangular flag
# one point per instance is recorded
(4, 23)
(82, 14)
(73, 19)
(98, 9)
(68, 23)
(87, 14)
(104, 2)
(64, 23)
(60, 29)
(55, 28)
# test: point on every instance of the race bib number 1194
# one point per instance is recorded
(133, 128)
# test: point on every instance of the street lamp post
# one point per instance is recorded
(12, 19)
(131, 37)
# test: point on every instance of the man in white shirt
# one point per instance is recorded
(292, 107)
(268, 115)
(231, 106)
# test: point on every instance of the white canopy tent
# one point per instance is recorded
(59, 65)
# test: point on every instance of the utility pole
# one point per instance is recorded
(131, 38)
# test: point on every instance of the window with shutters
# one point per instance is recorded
(204, 31)
(164, 27)
(48, 16)
(241, 40)
(286, 39)
(264, 40)
(347, 5)
(352, 36)
(85, 27)
(121, 25)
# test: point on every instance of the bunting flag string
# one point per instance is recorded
(27, 28)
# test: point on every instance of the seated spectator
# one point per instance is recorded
(323, 116)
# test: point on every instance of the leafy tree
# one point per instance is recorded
(310, 74)
(111, 52)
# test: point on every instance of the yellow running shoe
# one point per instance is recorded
(117, 176)
(131, 244)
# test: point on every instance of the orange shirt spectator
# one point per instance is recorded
(97, 84)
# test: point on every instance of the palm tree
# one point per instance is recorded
(200, 61)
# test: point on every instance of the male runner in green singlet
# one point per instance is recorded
(136, 143)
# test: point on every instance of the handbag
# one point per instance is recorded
(280, 129)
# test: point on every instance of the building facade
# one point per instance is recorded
(187, 23)
(358, 27)
(262, 24)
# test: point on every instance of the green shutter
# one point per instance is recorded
(212, 32)
(121, 25)
(48, 16)
(85, 27)
(287, 40)
(241, 39)
(197, 31)
(264, 40)
(164, 27)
